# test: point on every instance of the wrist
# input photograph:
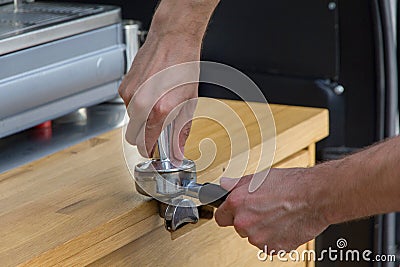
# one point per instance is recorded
(188, 19)
(335, 191)
(323, 194)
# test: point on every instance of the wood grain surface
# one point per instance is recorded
(79, 206)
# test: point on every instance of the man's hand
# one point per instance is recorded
(148, 110)
(281, 214)
(175, 37)
(293, 206)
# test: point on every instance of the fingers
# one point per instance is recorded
(161, 115)
(183, 136)
(224, 216)
(227, 212)
(175, 105)
(147, 139)
(158, 68)
(154, 99)
(228, 183)
(148, 133)
(240, 231)
(231, 183)
(139, 109)
(182, 125)
(180, 134)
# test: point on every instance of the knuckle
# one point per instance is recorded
(241, 225)
(241, 231)
(186, 129)
(138, 105)
(291, 246)
(130, 138)
(220, 217)
(217, 217)
(161, 109)
(125, 93)
(122, 89)
(256, 241)
(279, 246)
(183, 136)
(234, 200)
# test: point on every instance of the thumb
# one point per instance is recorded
(228, 183)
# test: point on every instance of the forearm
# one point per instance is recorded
(182, 17)
(363, 184)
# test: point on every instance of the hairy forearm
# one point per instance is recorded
(182, 17)
(364, 184)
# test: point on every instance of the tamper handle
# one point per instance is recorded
(212, 195)
(164, 146)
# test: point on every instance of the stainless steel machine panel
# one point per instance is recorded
(56, 58)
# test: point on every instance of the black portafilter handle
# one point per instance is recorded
(212, 195)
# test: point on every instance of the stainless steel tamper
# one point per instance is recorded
(175, 185)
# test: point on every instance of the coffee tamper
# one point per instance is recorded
(174, 185)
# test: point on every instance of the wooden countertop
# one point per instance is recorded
(80, 204)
